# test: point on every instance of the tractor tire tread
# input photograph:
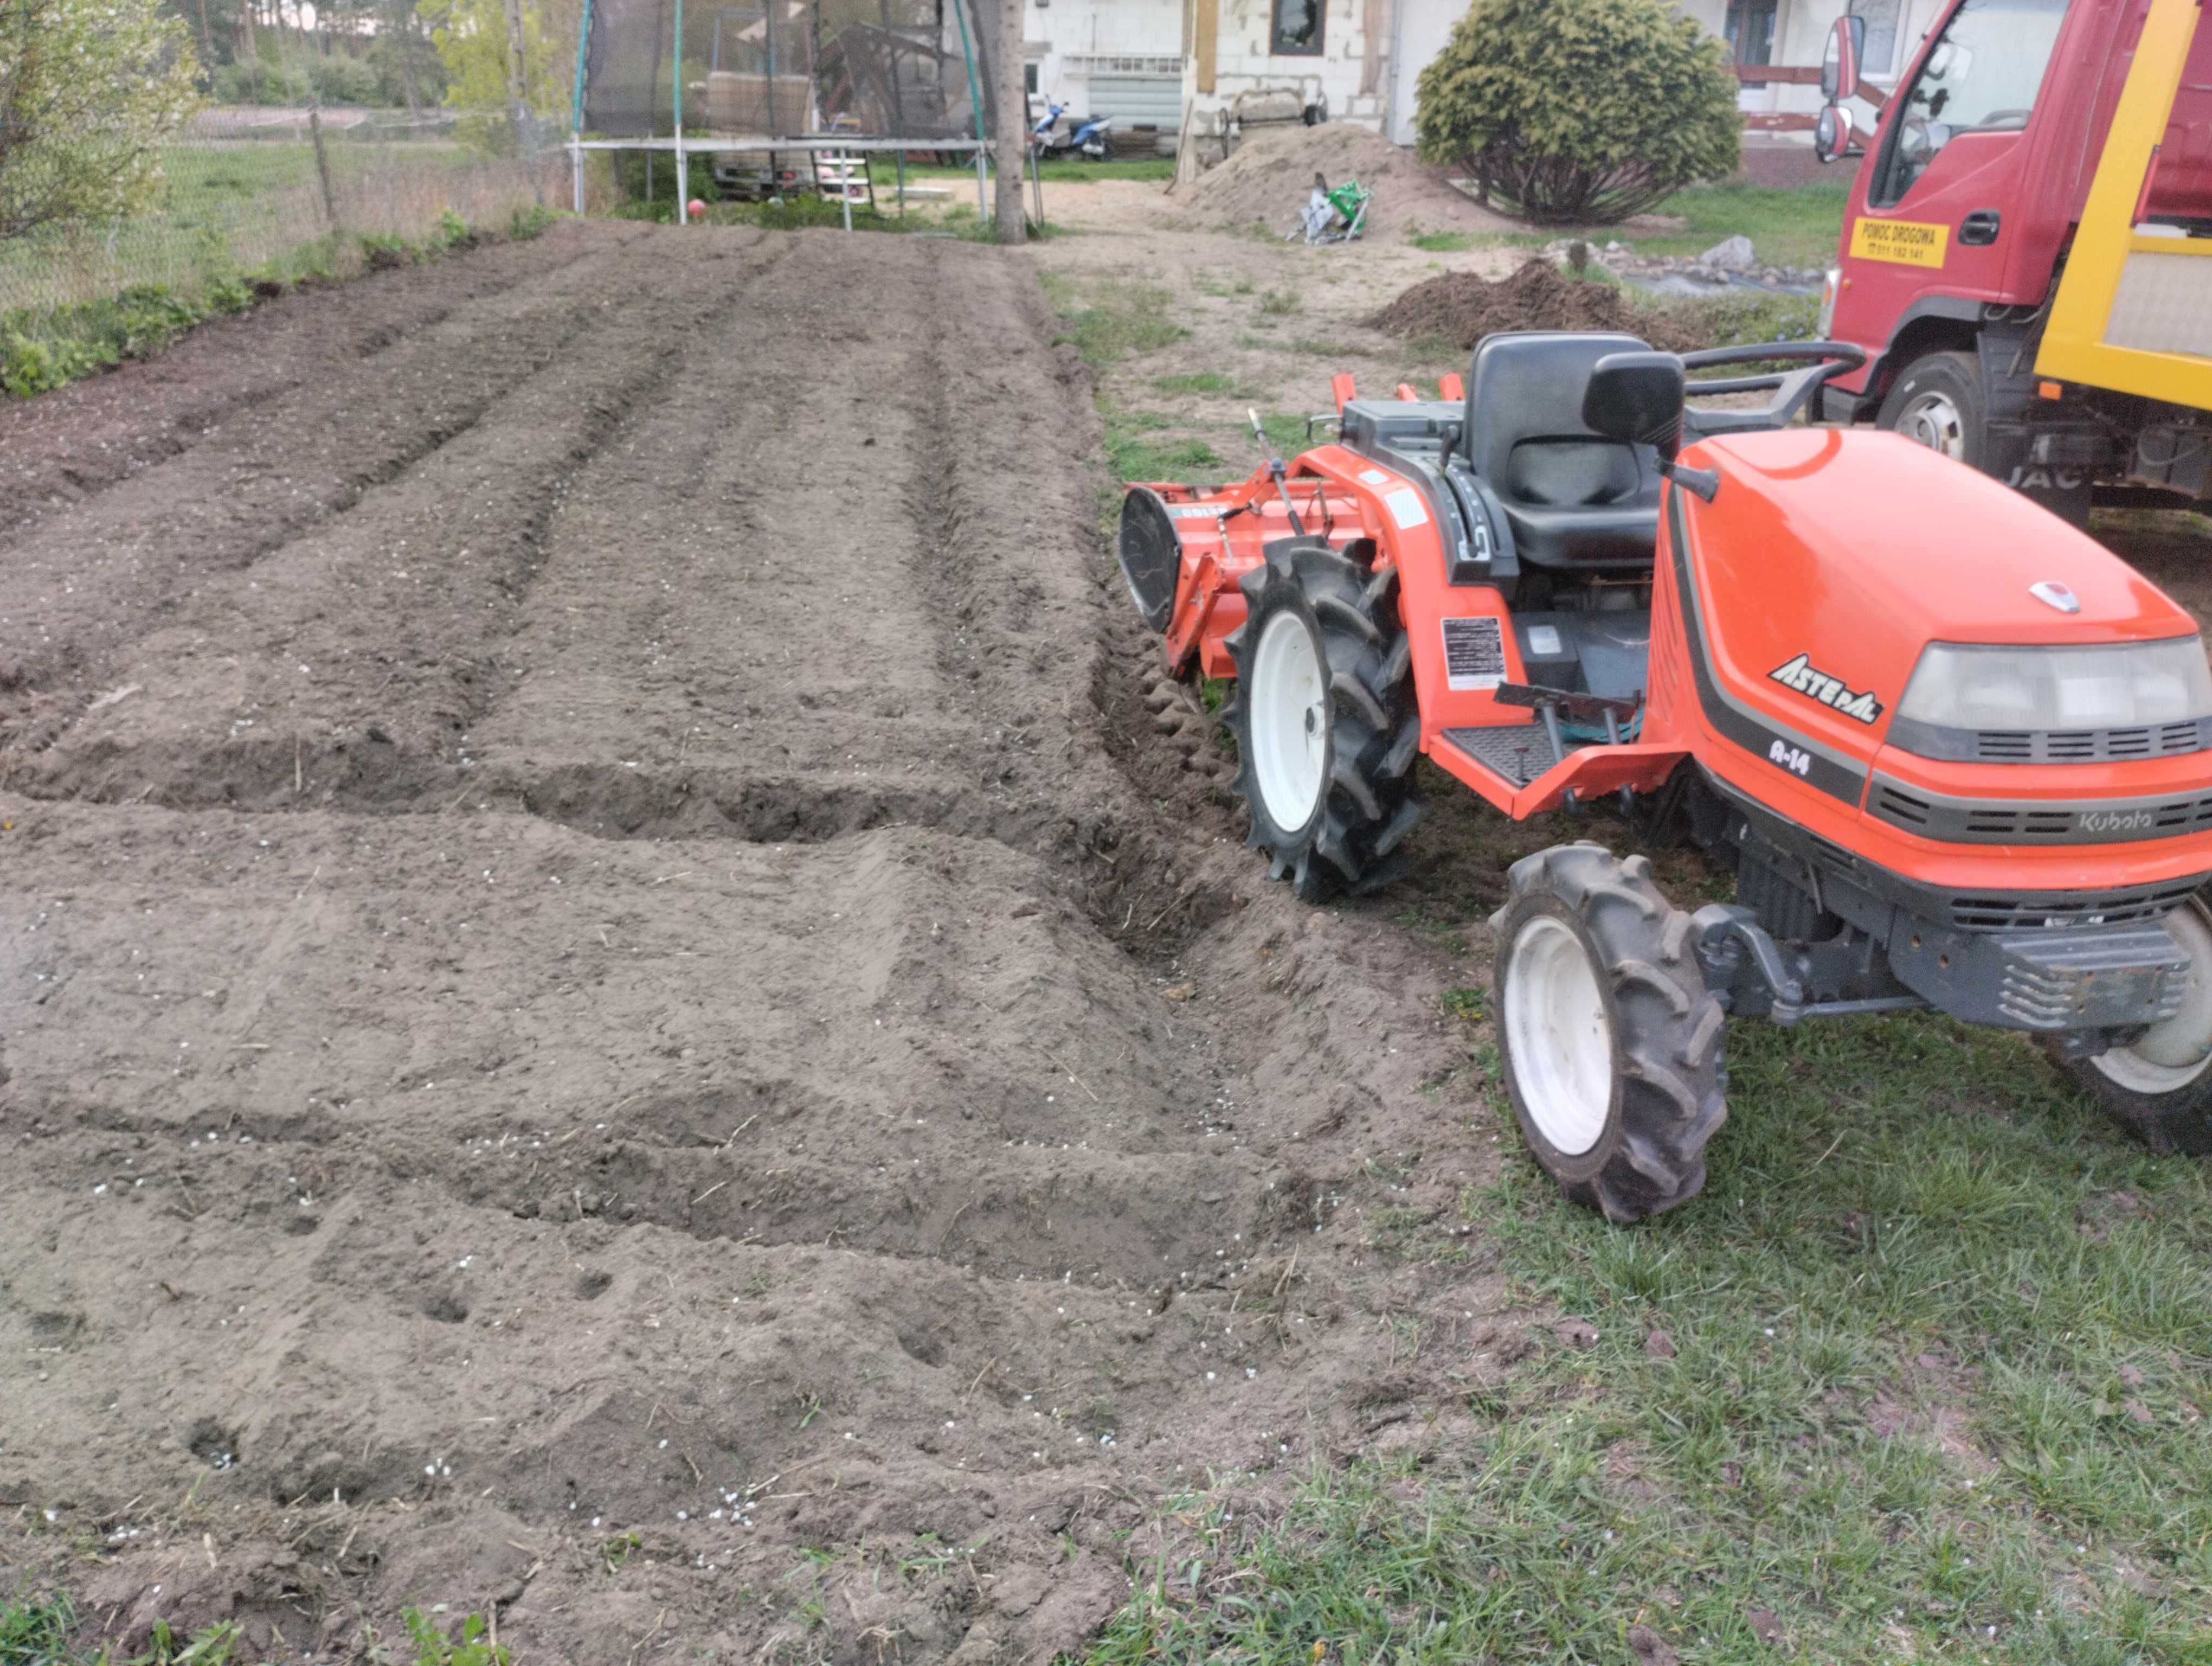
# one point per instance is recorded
(2176, 1124)
(1670, 1096)
(1352, 844)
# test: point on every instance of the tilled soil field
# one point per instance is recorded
(620, 1006)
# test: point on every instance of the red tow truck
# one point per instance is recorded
(2027, 255)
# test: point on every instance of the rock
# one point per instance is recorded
(1732, 254)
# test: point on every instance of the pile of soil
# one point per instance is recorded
(1267, 178)
(1464, 306)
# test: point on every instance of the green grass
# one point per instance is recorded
(1195, 381)
(1108, 322)
(42, 348)
(1741, 315)
(221, 209)
(1933, 1383)
(35, 1631)
(793, 213)
(1057, 172)
(1790, 225)
(1136, 450)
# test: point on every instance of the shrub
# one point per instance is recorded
(258, 81)
(342, 80)
(88, 92)
(1579, 110)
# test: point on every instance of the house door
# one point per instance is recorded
(1422, 31)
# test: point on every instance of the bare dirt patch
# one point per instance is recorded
(1266, 179)
(610, 1014)
(1461, 307)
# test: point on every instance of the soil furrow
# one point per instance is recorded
(653, 1007)
(381, 633)
(81, 585)
(74, 444)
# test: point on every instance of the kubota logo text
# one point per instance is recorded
(2113, 821)
(1799, 674)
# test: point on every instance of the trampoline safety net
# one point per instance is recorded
(784, 69)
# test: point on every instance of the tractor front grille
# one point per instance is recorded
(2025, 910)
(2036, 821)
(1958, 745)
(2087, 746)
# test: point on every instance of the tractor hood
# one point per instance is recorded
(1829, 559)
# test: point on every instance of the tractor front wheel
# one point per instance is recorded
(1611, 1043)
(2160, 1088)
(1324, 719)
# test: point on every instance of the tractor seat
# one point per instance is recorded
(1575, 498)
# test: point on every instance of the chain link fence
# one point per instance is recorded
(290, 192)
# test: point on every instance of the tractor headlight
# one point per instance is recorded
(2118, 686)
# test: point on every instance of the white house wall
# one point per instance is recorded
(1800, 36)
(1069, 41)
(1243, 62)
(1371, 81)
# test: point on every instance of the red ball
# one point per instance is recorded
(698, 210)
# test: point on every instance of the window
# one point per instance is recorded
(1749, 30)
(1297, 32)
(1879, 56)
(1980, 77)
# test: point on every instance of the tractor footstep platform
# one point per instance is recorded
(1515, 753)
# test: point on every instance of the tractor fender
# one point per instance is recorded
(1461, 634)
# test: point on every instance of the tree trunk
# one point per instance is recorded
(1010, 143)
(253, 52)
(404, 23)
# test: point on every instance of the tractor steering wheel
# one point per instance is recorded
(1793, 389)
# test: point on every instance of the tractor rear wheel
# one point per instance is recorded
(1611, 1043)
(2160, 1087)
(1324, 719)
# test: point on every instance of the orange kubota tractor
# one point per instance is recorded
(1956, 754)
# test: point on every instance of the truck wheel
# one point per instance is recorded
(1324, 719)
(1938, 401)
(2160, 1089)
(1612, 1045)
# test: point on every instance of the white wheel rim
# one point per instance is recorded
(1932, 419)
(2174, 1054)
(1560, 1036)
(1289, 704)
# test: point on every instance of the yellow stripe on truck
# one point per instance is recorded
(1906, 242)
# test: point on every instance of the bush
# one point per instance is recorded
(338, 79)
(1579, 112)
(254, 82)
(40, 351)
(89, 89)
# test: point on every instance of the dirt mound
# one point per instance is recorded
(1464, 306)
(1268, 176)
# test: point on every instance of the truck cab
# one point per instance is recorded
(1964, 219)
